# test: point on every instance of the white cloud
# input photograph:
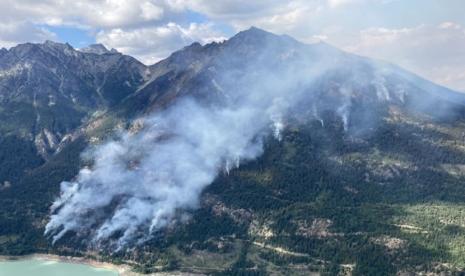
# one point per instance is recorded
(151, 44)
(341, 3)
(151, 29)
(274, 15)
(13, 33)
(84, 13)
(436, 52)
(337, 3)
(91, 15)
(234, 8)
(300, 18)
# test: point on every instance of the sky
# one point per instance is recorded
(426, 37)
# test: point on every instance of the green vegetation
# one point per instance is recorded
(319, 201)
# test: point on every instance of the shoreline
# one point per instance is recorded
(122, 270)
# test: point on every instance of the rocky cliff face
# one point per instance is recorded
(48, 90)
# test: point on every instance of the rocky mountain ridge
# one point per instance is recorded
(354, 178)
(52, 88)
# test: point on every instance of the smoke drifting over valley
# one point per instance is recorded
(247, 89)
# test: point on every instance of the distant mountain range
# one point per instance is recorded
(365, 176)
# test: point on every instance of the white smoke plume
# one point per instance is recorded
(153, 174)
(144, 181)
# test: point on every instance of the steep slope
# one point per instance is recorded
(48, 90)
(369, 164)
(203, 71)
(364, 176)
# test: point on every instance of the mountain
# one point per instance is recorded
(364, 175)
(48, 90)
(98, 49)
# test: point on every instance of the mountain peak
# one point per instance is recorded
(254, 32)
(257, 36)
(52, 43)
(98, 49)
(57, 45)
(256, 29)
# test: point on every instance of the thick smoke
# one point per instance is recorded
(143, 180)
(146, 179)
(152, 174)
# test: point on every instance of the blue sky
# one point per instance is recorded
(77, 37)
(424, 36)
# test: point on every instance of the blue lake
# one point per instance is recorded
(50, 268)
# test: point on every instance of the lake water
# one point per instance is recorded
(50, 268)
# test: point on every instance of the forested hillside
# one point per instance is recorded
(371, 188)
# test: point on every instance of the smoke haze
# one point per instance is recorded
(146, 179)
(143, 180)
